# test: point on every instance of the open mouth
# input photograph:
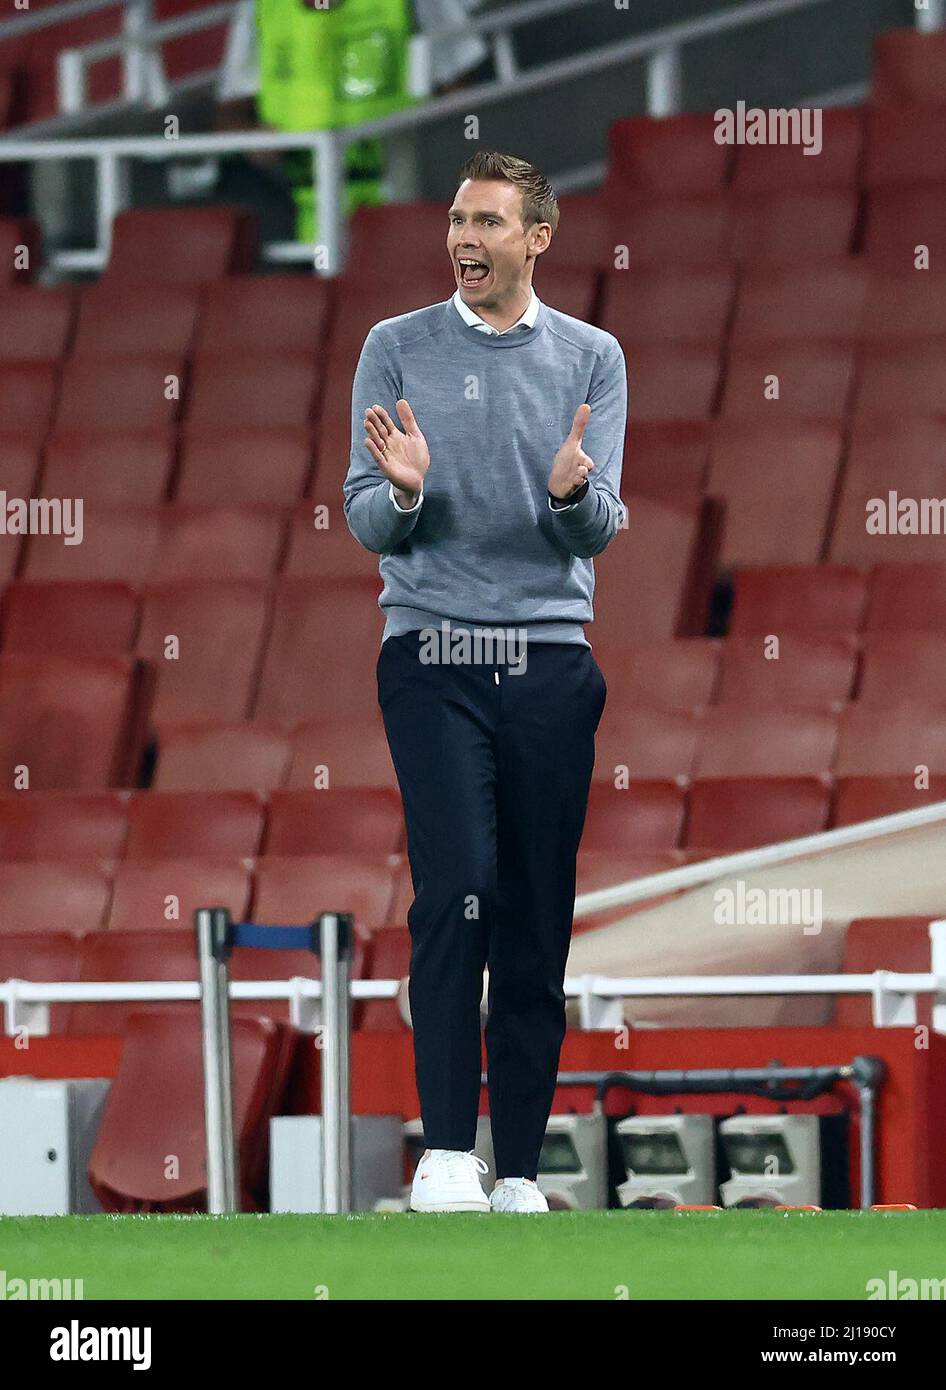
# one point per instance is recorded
(472, 273)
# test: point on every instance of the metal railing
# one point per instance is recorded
(660, 51)
(892, 993)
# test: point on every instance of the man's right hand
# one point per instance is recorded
(402, 456)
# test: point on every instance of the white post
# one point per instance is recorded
(930, 15)
(222, 1175)
(335, 1065)
(112, 196)
(938, 968)
(70, 81)
(665, 82)
(328, 175)
(504, 57)
(135, 59)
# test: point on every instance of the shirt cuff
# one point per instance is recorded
(582, 494)
(406, 511)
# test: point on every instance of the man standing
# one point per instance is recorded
(486, 523)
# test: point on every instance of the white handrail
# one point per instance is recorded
(743, 861)
(893, 993)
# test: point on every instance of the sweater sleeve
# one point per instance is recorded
(589, 527)
(373, 517)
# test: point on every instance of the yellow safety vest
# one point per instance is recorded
(325, 68)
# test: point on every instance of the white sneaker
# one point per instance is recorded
(517, 1194)
(448, 1180)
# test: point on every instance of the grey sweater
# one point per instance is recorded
(484, 548)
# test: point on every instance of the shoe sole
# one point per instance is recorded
(430, 1207)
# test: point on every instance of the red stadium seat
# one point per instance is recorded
(35, 324)
(665, 456)
(645, 744)
(599, 869)
(899, 380)
(298, 888)
(654, 581)
(220, 543)
(584, 238)
(155, 1107)
(909, 67)
(906, 144)
(121, 394)
(572, 290)
(253, 390)
(366, 300)
(899, 307)
(638, 816)
(791, 228)
(206, 825)
(672, 157)
(354, 750)
(665, 675)
(883, 943)
(734, 813)
(107, 957)
(156, 894)
(19, 460)
(119, 545)
(305, 673)
(75, 723)
(674, 382)
(62, 825)
(354, 820)
(115, 468)
(42, 958)
(903, 665)
(777, 481)
(811, 379)
(903, 456)
(815, 671)
(388, 958)
(180, 246)
(333, 437)
(802, 304)
(901, 219)
(738, 742)
(673, 305)
(894, 741)
(220, 629)
(266, 313)
(416, 232)
(27, 396)
(775, 168)
(69, 619)
(907, 596)
(223, 466)
(671, 231)
(221, 757)
(825, 600)
(127, 321)
(322, 547)
(868, 798)
(49, 896)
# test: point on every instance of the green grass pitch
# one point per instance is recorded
(565, 1255)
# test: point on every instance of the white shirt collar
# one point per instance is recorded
(527, 321)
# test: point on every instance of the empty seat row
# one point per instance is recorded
(835, 600)
(728, 741)
(774, 667)
(636, 816)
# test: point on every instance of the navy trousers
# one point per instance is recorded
(494, 771)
